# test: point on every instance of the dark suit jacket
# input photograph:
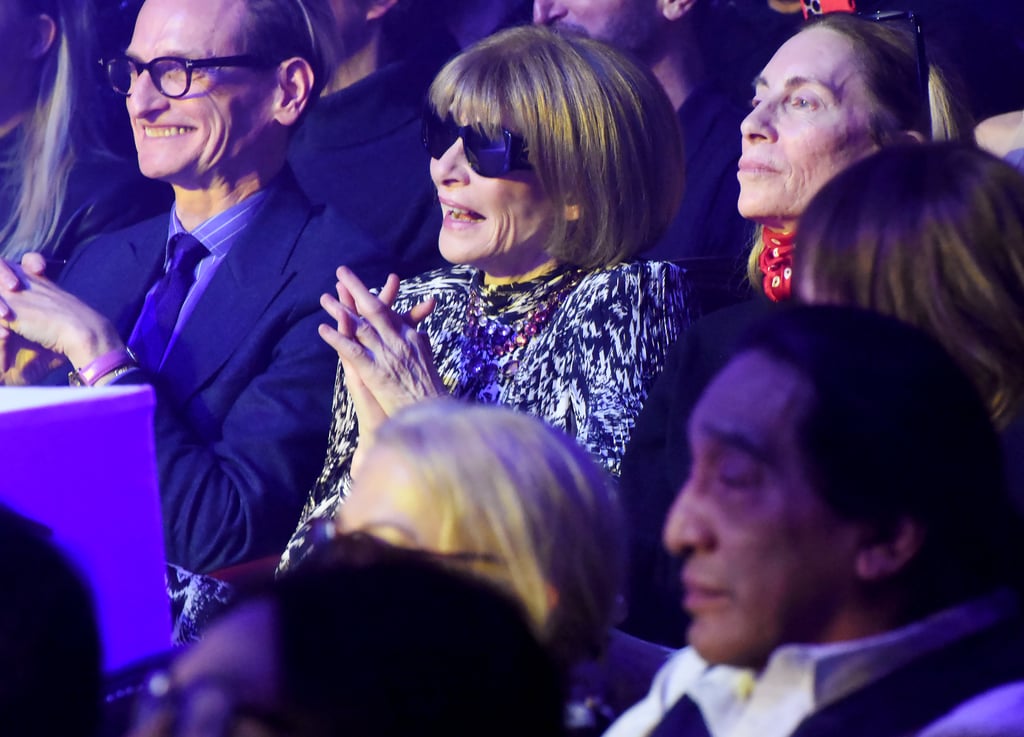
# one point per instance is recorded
(244, 397)
(905, 701)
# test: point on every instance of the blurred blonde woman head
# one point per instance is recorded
(537, 513)
(933, 235)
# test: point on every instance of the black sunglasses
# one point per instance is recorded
(922, 57)
(488, 157)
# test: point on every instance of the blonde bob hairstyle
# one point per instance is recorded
(886, 57)
(602, 137)
(510, 486)
(933, 235)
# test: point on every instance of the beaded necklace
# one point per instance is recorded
(487, 341)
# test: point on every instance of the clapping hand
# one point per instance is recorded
(41, 324)
(387, 362)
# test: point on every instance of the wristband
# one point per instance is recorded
(116, 362)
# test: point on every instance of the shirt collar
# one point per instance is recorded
(831, 671)
(219, 232)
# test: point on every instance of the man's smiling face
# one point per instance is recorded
(214, 136)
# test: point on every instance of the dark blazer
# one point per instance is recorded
(244, 397)
(905, 701)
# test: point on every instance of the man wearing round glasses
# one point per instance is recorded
(215, 306)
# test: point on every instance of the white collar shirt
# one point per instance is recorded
(799, 680)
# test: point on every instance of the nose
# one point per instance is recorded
(687, 525)
(759, 125)
(144, 98)
(452, 169)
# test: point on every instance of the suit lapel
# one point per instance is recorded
(251, 276)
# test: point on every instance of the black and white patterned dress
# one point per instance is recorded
(586, 371)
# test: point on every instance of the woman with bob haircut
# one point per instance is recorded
(556, 159)
(58, 184)
(842, 87)
(450, 478)
(932, 235)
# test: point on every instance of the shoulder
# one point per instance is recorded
(654, 276)
(443, 283)
(644, 290)
(998, 133)
(141, 238)
(995, 713)
(328, 240)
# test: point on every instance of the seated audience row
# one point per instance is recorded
(840, 89)
(213, 306)
(841, 529)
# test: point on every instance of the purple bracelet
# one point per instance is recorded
(108, 363)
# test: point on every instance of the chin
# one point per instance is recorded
(718, 646)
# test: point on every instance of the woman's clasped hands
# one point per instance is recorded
(387, 362)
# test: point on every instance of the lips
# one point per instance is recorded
(751, 166)
(455, 213)
(701, 596)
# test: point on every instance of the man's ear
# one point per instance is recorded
(673, 10)
(295, 84)
(44, 33)
(884, 554)
(379, 8)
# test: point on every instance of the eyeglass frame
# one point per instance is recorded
(923, 69)
(238, 60)
(515, 154)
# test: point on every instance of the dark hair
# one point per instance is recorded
(410, 23)
(933, 235)
(407, 647)
(276, 30)
(895, 430)
(49, 641)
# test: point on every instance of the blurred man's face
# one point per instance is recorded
(226, 684)
(766, 561)
(625, 24)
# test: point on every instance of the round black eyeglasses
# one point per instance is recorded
(171, 75)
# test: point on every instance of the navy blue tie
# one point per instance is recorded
(682, 720)
(160, 313)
